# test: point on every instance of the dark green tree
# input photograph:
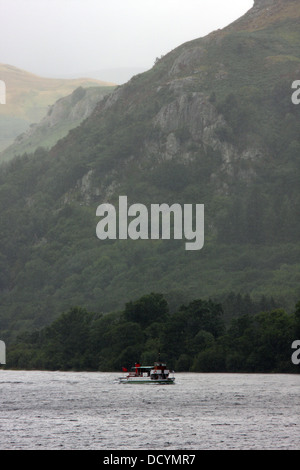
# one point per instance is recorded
(148, 309)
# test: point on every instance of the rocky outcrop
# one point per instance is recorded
(73, 108)
(65, 114)
(192, 56)
(193, 115)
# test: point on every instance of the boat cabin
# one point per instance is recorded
(158, 371)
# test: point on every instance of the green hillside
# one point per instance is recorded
(211, 123)
(28, 97)
(65, 114)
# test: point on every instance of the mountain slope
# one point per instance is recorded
(28, 97)
(211, 123)
(65, 114)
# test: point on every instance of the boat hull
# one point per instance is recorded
(146, 380)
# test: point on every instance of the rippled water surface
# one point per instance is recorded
(68, 410)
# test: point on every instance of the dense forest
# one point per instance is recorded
(194, 338)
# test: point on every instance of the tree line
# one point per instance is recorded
(195, 338)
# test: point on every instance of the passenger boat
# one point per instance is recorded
(156, 374)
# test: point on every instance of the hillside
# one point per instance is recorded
(211, 123)
(65, 114)
(28, 97)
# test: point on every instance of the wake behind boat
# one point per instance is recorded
(156, 374)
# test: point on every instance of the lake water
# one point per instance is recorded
(69, 410)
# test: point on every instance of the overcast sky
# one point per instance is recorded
(65, 37)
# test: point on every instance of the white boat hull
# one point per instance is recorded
(146, 380)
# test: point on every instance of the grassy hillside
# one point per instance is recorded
(65, 114)
(28, 97)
